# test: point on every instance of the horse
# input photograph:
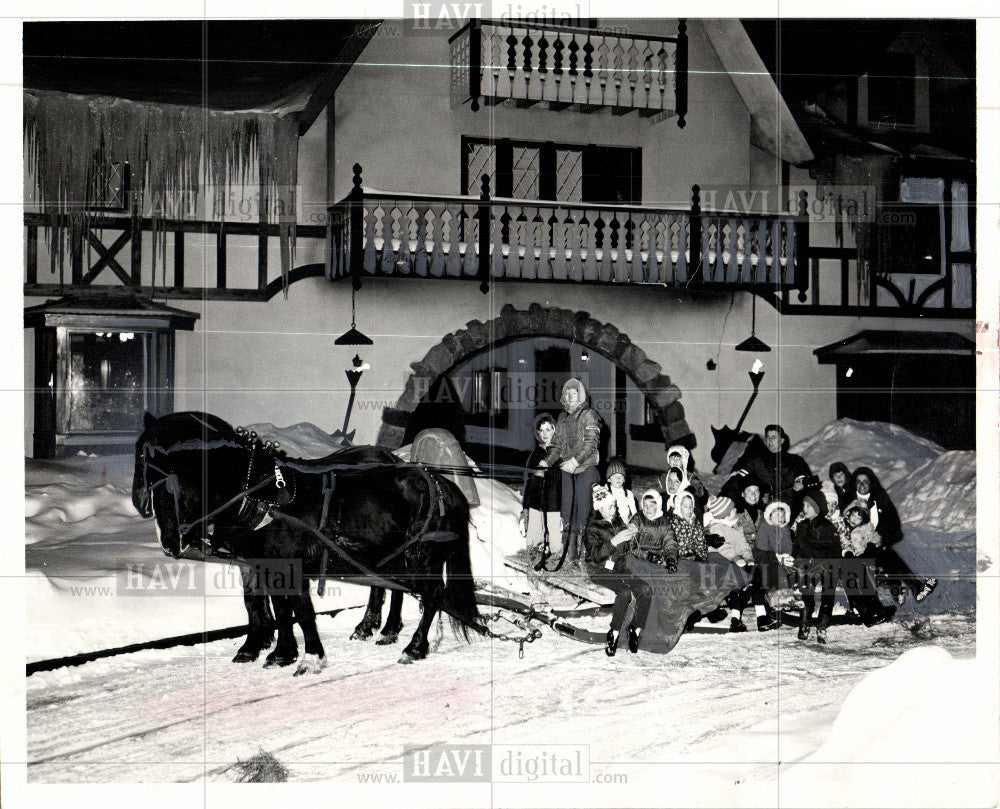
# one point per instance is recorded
(192, 432)
(388, 524)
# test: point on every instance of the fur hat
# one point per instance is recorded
(719, 509)
(772, 507)
(600, 493)
(616, 466)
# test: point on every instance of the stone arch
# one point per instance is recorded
(540, 321)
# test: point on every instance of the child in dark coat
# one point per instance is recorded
(653, 537)
(817, 552)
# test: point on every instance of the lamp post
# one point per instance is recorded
(358, 367)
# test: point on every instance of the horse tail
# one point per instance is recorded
(460, 589)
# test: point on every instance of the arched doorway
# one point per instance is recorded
(663, 409)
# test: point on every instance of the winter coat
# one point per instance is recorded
(653, 537)
(690, 537)
(884, 514)
(861, 537)
(736, 548)
(578, 435)
(541, 492)
(776, 471)
(816, 538)
(772, 540)
(747, 526)
(597, 540)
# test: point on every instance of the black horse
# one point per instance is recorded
(358, 514)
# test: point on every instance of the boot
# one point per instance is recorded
(716, 615)
(611, 643)
(633, 639)
(804, 625)
(764, 623)
(930, 585)
(693, 618)
(880, 616)
(821, 635)
(736, 625)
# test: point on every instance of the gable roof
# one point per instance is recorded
(774, 128)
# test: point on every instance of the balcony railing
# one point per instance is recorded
(400, 234)
(494, 62)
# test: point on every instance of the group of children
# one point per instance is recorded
(786, 551)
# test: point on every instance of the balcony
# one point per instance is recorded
(523, 64)
(393, 234)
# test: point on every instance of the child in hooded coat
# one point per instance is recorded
(679, 457)
(654, 539)
(773, 545)
(863, 539)
(687, 528)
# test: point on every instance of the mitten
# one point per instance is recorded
(848, 554)
(870, 549)
(671, 564)
(714, 541)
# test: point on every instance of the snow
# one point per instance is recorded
(751, 713)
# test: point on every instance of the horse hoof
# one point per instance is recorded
(406, 658)
(243, 656)
(362, 633)
(274, 660)
(387, 639)
(311, 664)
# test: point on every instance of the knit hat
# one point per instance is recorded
(719, 509)
(772, 507)
(616, 467)
(600, 493)
(818, 503)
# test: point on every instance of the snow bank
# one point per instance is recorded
(932, 723)
(890, 450)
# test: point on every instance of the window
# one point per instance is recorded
(108, 380)
(894, 95)
(489, 398)
(108, 185)
(550, 171)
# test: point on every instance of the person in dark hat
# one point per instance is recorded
(782, 473)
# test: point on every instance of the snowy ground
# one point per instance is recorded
(716, 715)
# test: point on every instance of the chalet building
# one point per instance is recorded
(479, 212)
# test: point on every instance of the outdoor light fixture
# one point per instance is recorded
(353, 337)
(753, 342)
(849, 373)
(358, 367)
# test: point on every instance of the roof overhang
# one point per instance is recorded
(110, 310)
(773, 127)
(870, 343)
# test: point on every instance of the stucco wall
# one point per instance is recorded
(394, 117)
(276, 362)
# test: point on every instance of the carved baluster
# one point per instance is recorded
(511, 58)
(420, 258)
(683, 226)
(526, 64)
(746, 248)
(777, 272)
(371, 222)
(470, 266)
(602, 237)
(636, 273)
(517, 243)
(733, 270)
(603, 68)
(763, 276)
(648, 73)
(404, 258)
(621, 257)
(497, 242)
(588, 67)
(437, 253)
(588, 239)
(544, 224)
(388, 264)
(632, 73)
(496, 60)
(557, 60)
(574, 62)
(530, 268)
(618, 72)
(558, 230)
(575, 248)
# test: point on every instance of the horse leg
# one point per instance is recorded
(286, 651)
(418, 646)
(372, 617)
(394, 622)
(260, 621)
(314, 658)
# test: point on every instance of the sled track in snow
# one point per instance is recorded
(192, 639)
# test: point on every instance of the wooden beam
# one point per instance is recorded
(344, 60)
